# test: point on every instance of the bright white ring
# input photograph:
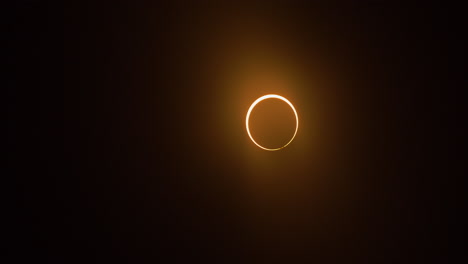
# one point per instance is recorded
(268, 96)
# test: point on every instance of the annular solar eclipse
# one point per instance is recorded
(265, 97)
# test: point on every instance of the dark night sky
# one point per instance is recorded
(153, 163)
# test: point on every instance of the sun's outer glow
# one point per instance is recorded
(268, 96)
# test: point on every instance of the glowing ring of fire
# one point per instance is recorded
(268, 96)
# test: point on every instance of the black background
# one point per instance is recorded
(143, 157)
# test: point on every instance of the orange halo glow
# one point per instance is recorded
(268, 96)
